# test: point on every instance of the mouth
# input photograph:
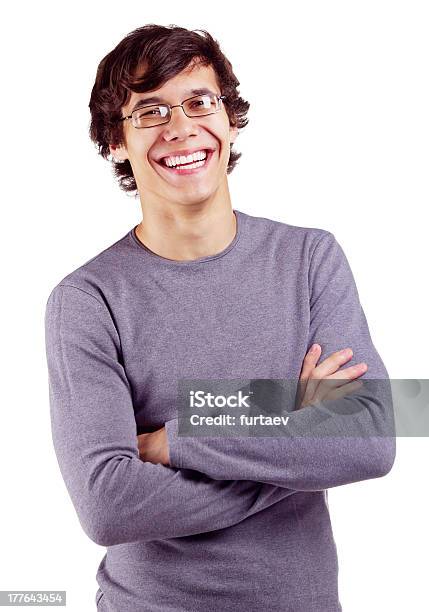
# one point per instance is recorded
(195, 167)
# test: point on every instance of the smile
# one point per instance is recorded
(195, 163)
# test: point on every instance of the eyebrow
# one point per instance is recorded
(157, 99)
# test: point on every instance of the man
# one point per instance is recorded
(199, 290)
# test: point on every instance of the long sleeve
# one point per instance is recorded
(119, 498)
(358, 444)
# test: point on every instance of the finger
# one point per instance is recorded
(331, 364)
(308, 365)
(328, 366)
(310, 361)
(309, 391)
(349, 373)
(341, 377)
(338, 380)
(326, 392)
(344, 390)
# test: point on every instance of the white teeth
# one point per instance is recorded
(183, 159)
(197, 164)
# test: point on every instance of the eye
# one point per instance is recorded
(153, 111)
(148, 113)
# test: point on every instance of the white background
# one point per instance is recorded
(347, 152)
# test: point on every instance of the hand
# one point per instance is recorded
(153, 447)
(312, 389)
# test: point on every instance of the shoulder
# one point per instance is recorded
(98, 276)
(300, 240)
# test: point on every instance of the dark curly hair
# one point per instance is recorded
(163, 52)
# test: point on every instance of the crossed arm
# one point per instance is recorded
(357, 446)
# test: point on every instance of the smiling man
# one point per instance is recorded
(199, 290)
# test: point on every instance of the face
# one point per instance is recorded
(146, 148)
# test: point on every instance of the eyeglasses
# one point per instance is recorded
(157, 114)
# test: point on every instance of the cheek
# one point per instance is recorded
(220, 129)
(222, 136)
(139, 148)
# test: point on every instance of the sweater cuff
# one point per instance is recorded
(173, 440)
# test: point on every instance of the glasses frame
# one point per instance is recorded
(220, 98)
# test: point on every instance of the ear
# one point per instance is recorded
(233, 133)
(118, 152)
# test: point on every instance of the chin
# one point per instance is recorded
(195, 200)
(194, 196)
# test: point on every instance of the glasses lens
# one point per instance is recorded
(201, 105)
(147, 116)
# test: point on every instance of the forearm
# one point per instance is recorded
(342, 450)
(120, 499)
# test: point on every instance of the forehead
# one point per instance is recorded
(194, 76)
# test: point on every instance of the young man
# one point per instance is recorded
(201, 290)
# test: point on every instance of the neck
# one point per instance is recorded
(188, 231)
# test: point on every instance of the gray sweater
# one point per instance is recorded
(234, 524)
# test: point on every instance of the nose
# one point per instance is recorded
(180, 125)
